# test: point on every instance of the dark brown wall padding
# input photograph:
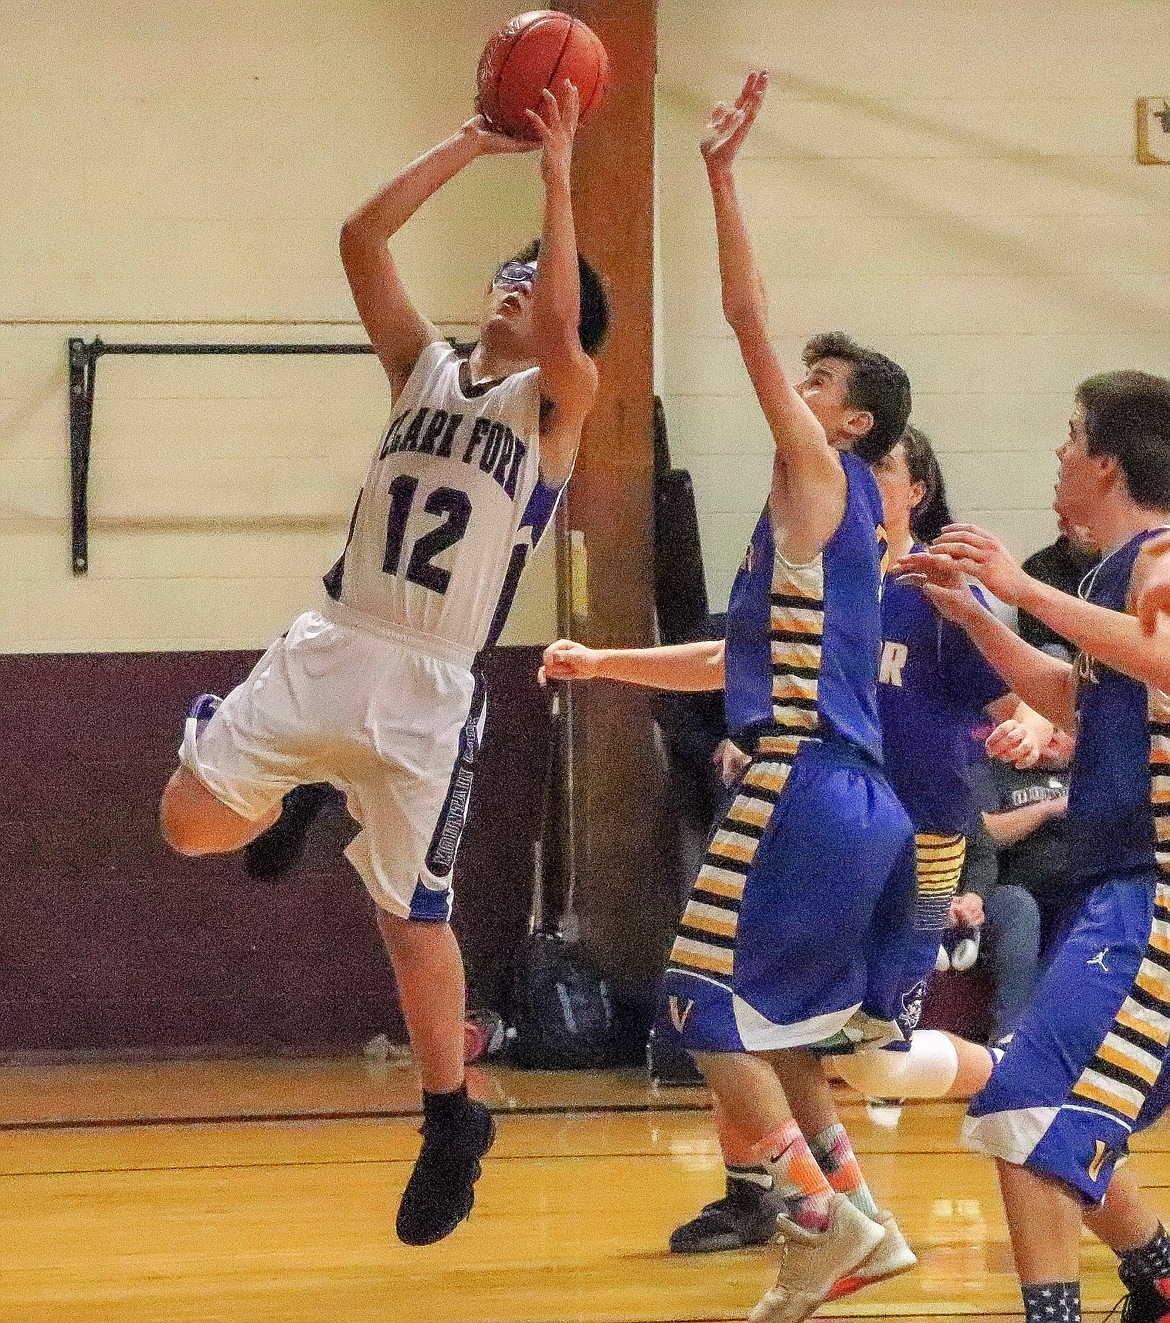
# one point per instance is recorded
(111, 944)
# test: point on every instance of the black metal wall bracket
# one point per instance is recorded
(83, 360)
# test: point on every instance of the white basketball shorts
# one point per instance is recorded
(391, 718)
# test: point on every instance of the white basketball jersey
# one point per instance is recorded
(451, 507)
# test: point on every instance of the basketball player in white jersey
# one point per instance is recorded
(374, 688)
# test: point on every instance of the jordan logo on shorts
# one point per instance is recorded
(1099, 959)
(1094, 1167)
(680, 1011)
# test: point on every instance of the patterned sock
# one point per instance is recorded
(1052, 1302)
(1148, 1262)
(835, 1157)
(796, 1177)
(740, 1159)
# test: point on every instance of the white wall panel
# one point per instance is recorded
(952, 182)
(179, 171)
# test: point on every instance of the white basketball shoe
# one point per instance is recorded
(814, 1262)
(892, 1255)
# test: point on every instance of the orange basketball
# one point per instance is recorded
(536, 50)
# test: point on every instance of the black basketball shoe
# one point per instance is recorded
(746, 1215)
(440, 1191)
(1146, 1302)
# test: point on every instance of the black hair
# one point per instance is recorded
(593, 324)
(876, 383)
(1127, 415)
(931, 515)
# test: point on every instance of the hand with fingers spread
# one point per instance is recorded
(984, 557)
(555, 126)
(490, 142)
(1153, 597)
(943, 582)
(728, 126)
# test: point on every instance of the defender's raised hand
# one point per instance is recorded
(942, 580)
(728, 126)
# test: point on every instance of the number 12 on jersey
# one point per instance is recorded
(455, 508)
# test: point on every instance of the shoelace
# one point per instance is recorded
(1122, 1302)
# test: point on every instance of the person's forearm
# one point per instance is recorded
(744, 297)
(800, 439)
(1045, 683)
(980, 867)
(1112, 637)
(683, 667)
(1009, 827)
(376, 220)
(556, 293)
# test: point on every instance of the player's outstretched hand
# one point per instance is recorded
(567, 660)
(728, 126)
(1153, 596)
(490, 142)
(943, 582)
(555, 125)
(984, 557)
(1015, 743)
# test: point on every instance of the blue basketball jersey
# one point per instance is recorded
(1117, 810)
(932, 688)
(804, 641)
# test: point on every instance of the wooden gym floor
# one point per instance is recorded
(265, 1191)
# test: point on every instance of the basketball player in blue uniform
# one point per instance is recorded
(773, 950)
(375, 688)
(934, 688)
(1087, 1066)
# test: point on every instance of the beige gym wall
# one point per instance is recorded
(178, 170)
(952, 180)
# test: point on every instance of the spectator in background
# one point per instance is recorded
(1018, 903)
(1063, 564)
(933, 513)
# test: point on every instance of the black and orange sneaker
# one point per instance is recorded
(1148, 1301)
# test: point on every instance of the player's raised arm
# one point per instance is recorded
(1114, 638)
(397, 330)
(568, 376)
(802, 448)
(1044, 683)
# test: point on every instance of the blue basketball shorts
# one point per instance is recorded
(1086, 1067)
(813, 857)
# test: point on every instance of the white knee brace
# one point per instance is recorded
(927, 1070)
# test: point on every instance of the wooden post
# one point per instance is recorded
(627, 884)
